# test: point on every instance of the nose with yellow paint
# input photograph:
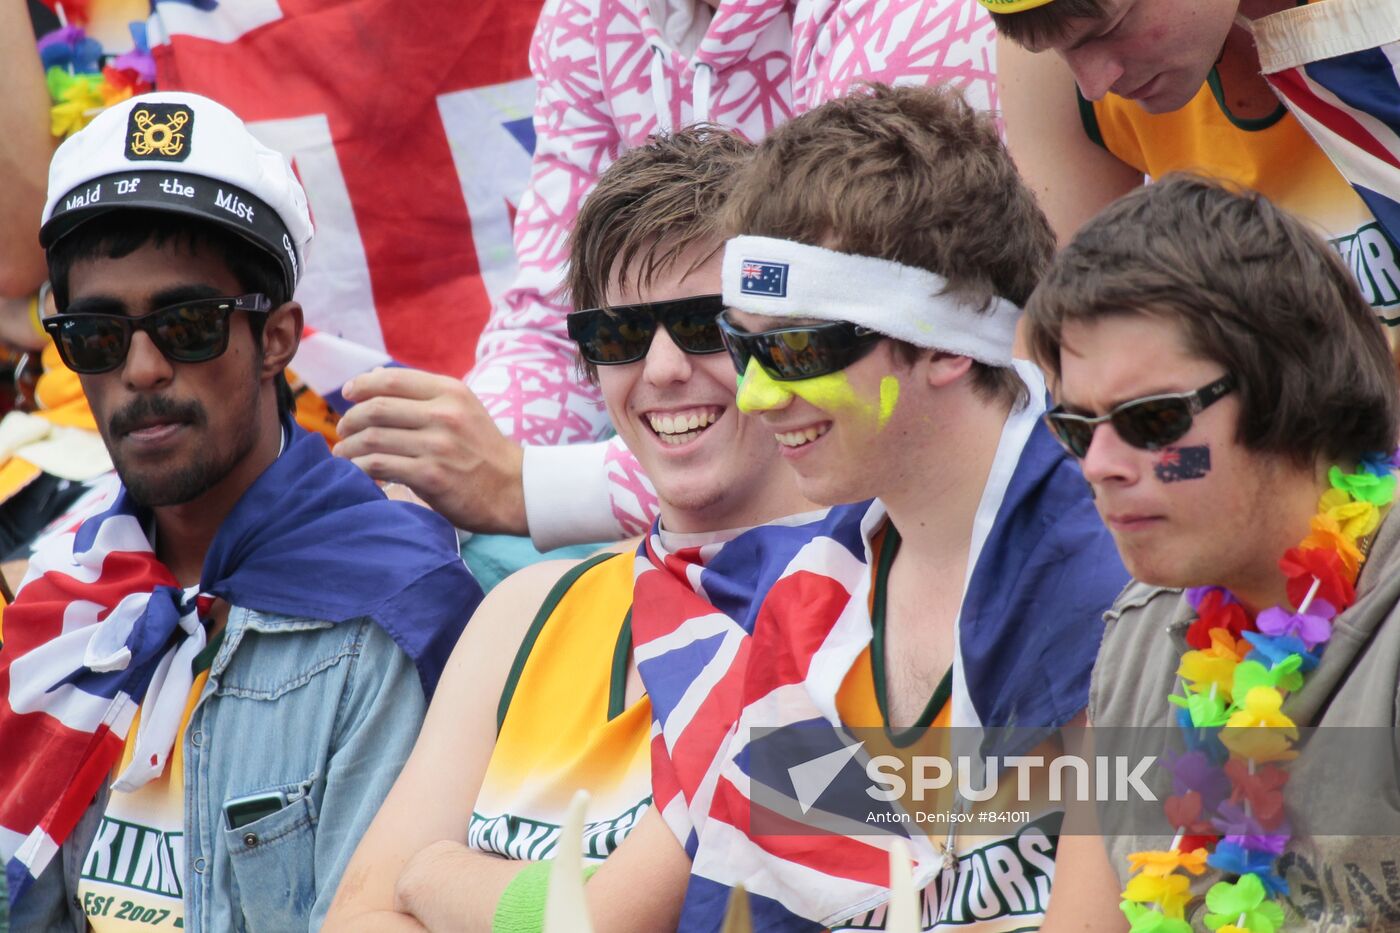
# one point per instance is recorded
(759, 391)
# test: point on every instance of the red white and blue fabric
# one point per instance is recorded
(758, 631)
(1336, 65)
(99, 626)
(411, 129)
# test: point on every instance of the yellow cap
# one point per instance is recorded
(1012, 6)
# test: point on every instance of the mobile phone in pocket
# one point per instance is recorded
(241, 811)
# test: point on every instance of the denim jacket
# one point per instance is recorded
(326, 714)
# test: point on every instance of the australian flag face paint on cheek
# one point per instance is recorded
(1175, 464)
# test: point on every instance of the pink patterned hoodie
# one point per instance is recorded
(609, 73)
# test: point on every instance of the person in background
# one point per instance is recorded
(1293, 100)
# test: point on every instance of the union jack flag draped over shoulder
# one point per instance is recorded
(100, 625)
(1336, 65)
(738, 635)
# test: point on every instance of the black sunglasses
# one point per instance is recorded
(93, 342)
(800, 352)
(1146, 423)
(623, 333)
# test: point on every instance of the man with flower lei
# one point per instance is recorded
(1234, 407)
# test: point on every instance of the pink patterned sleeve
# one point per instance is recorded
(633, 497)
(845, 42)
(525, 372)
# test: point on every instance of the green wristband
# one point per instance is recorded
(521, 907)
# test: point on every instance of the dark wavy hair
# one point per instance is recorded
(1253, 289)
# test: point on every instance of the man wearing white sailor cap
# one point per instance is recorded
(222, 669)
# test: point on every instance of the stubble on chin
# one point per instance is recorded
(164, 485)
(156, 487)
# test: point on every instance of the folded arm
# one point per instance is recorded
(432, 800)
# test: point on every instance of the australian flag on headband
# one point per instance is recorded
(97, 615)
(763, 278)
(738, 636)
(1348, 102)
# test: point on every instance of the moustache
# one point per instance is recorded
(147, 409)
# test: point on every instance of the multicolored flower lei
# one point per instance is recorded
(82, 79)
(1227, 788)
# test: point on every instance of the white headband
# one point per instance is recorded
(780, 278)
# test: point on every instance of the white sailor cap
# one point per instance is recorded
(186, 154)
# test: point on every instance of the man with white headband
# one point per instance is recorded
(881, 245)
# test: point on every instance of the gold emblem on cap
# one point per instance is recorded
(150, 136)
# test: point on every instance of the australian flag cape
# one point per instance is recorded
(99, 625)
(743, 642)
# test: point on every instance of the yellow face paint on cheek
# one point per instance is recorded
(833, 392)
(759, 392)
(889, 398)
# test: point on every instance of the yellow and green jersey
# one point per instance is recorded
(133, 876)
(1273, 155)
(563, 724)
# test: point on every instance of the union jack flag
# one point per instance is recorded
(446, 142)
(74, 668)
(1348, 99)
(100, 627)
(694, 613)
(741, 637)
(751, 270)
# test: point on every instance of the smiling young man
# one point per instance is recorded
(1234, 406)
(881, 245)
(1292, 99)
(208, 686)
(542, 697)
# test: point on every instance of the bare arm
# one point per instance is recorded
(452, 889)
(433, 797)
(1073, 177)
(1086, 892)
(642, 884)
(25, 148)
